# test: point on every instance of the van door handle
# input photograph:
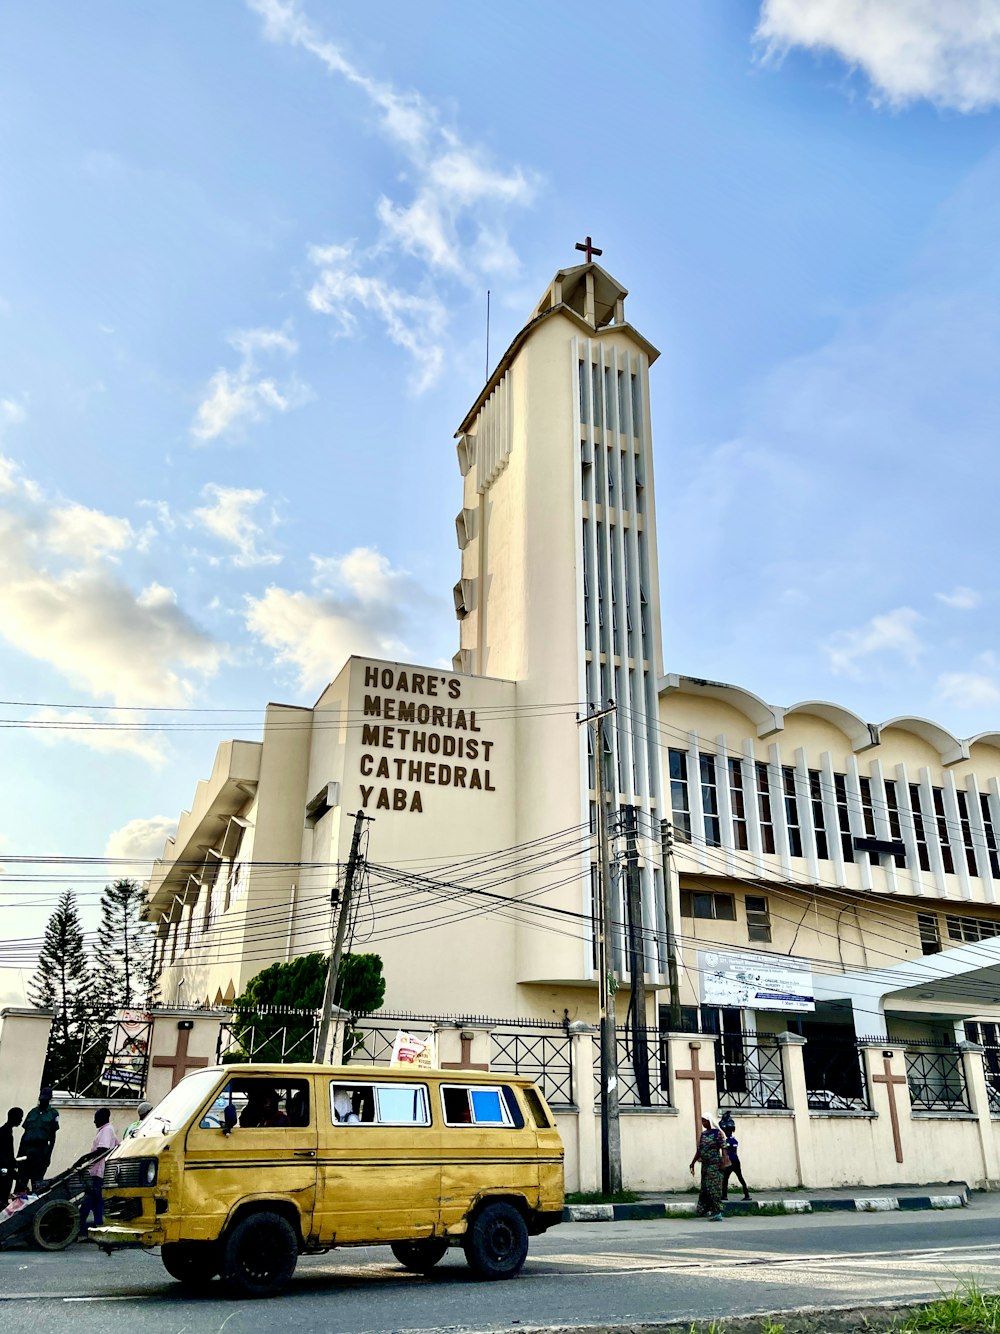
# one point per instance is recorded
(305, 1153)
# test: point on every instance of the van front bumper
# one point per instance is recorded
(114, 1237)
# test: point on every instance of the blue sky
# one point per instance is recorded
(244, 255)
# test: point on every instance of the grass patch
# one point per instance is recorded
(966, 1311)
(596, 1197)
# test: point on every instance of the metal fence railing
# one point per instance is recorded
(643, 1072)
(543, 1056)
(936, 1079)
(98, 1057)
(748, 1071)
(835, 1075)
(276, 1033)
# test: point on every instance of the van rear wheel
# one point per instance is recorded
(193, 1263)
(496, 1243)
(259, 1255)
(420, 1256)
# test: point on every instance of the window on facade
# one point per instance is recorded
(970, 929)
(930, 935)
(764, 806)
(636, 407)
(609, 398)
(597, 397)
(868, 813)
(710, 801)
(791, 814)
(919, 830)
(966, 826)
(583, 393)
(680, 806)
(818, 813)
(843, 816)
(758, 918)
(895, 826)
(944, 838)
(737, 800)
(717, 907)
(990, 831)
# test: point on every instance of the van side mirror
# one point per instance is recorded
(228, 1119)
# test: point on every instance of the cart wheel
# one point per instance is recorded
(55, 1225)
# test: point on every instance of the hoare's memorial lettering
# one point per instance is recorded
(453, 742)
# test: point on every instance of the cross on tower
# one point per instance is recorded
(696, 1075)
(890, 1081)
(589, 249)
(180, 1063)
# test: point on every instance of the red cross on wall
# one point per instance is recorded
(465, 1062)
(890, 1081)
(696, 1075)
(180, 1063)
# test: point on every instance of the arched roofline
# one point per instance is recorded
(767, 718)
(951, 749)
(862, 735)
(985, 739)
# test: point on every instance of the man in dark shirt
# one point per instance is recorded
(41, 1126)
(8, 1163)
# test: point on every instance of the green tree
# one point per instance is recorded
(124, 953)
(299, 985)
(63, 982)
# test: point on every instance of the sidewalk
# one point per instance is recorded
(850, 1199)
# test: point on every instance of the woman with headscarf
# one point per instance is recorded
(344, 1109)
(711, 1146)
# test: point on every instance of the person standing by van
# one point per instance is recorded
(93, 1201)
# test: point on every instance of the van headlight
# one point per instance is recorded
(149, 1167)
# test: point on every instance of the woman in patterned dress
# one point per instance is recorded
(711, 1145)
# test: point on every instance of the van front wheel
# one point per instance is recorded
(420, 1256)
(496, 1243)
(259, 1255)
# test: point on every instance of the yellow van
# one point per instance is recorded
(240, 1169)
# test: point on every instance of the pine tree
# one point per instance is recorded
(123, 958)
(64, 983)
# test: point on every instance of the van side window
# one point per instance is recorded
(379, 1104)
(535, 1108)
(475, 1105)
(513, 1109)
(261, 1104)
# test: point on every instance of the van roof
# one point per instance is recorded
(366, 1072)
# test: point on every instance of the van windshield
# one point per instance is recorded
(181, 1102)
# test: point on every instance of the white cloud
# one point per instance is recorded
(969, 690)
(453, 223)
(362, 607)
(235, 399)
(12, 413)
(961, 598)
(944, 51)
(893, 632)
(120, 734)
(229, 518)
(141, 840)
(75, 530)
(415, 323)
(61, 602)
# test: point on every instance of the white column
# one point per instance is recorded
(882, 830)
(804, 799)
(778, 818)
(694, 802)
(907, 824)
(750, 801)
(725, 802)
(857, 819)
(832, 817)
(987, 890)
(931, 833)
(954, 817)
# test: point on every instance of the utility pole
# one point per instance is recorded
(332, 974)
(636, 958)
(611, 1144)
(667, 845)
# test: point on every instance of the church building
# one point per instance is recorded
(804, 868)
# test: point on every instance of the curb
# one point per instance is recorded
(862, 1204)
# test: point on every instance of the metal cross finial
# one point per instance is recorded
(589, 249)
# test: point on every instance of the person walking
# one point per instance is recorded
(8, 1163)
(728, 1127)
(38, 1139)
(93, 1201)
(710, 1150)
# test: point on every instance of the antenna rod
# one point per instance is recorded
(487, 333)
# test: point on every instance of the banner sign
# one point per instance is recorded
(124, 1069)
(412, 1051)
(751, 981)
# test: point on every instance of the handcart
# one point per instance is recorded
(51, 1221)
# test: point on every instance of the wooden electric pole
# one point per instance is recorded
(333, 971)
(667, 844)
(611, 1144)
(636, 958)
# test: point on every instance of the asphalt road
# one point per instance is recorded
(578, 1274)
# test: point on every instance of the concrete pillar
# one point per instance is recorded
(467, 1047)
(979, 1101)
(885, 1079)
(180, 1041)
(796, 1094)
(24, 1040)
(583, 1055)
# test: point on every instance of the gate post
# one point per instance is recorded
(797, 1095)
(588, 1142)
(24, 1043)
(979, 1101)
